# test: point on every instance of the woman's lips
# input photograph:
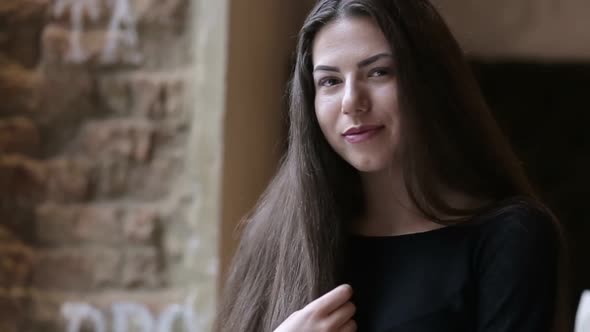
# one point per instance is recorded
(361, 134)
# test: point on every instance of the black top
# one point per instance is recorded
(493, 274)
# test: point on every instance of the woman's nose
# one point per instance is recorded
(354, 99)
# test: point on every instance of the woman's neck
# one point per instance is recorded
(389, 209)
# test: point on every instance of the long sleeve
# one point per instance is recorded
(517, 273)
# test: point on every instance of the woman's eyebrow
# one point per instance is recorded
(373, 59)
(360, 64)
(326, 68)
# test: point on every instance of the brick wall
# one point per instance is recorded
(102, 223)
(21, 178)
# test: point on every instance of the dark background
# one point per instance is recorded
(545, 111)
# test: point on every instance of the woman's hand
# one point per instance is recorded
(330, 313)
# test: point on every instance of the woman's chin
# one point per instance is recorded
(368, 165)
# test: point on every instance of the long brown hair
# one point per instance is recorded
(289, 251)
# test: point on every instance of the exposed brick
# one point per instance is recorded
(120, 178)
(156, 181)
(167, 12)
(78, 224)
(80, 269)
(142, 268)
(178, 56)
(89, 12)
(55, 43)
(17, 221)
(47, 309)
(18, 135)
(129, 139)
(4, 39)
(126, 164)
(15, 266)
(142, 225)
(97, 223)
(22, 21)
(13, 313)
(100, 223)
(21, 44)
(21, 85)
(55, 223)
(14, 78)
(114, 179)
(114, 93)
(60, 46)
(68, 180)
(155, 301)
(21, 180)
(91, 48)
(110, 135)
(151, 95)
(7, 237)
(160, 12)
(67, 98)
(14, 11)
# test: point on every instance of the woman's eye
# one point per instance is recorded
(379, 72)
(328, 82)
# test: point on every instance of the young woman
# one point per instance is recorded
(399, 206)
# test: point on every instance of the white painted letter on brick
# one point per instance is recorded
(76, 53)
(122, 29)
(129, 316)
(76, 313)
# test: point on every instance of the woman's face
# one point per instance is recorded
(356, 101)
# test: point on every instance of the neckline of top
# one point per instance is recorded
(405, 235)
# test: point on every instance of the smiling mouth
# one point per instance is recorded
(361, 134)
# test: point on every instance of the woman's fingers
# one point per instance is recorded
(341, 316)
(330, 301)
(350, 326)
(331, 312)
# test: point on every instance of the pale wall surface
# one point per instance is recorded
(262, 36)
(538, 29)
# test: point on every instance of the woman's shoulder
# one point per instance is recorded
(517, 227)
(516, 266)
(517, 215)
